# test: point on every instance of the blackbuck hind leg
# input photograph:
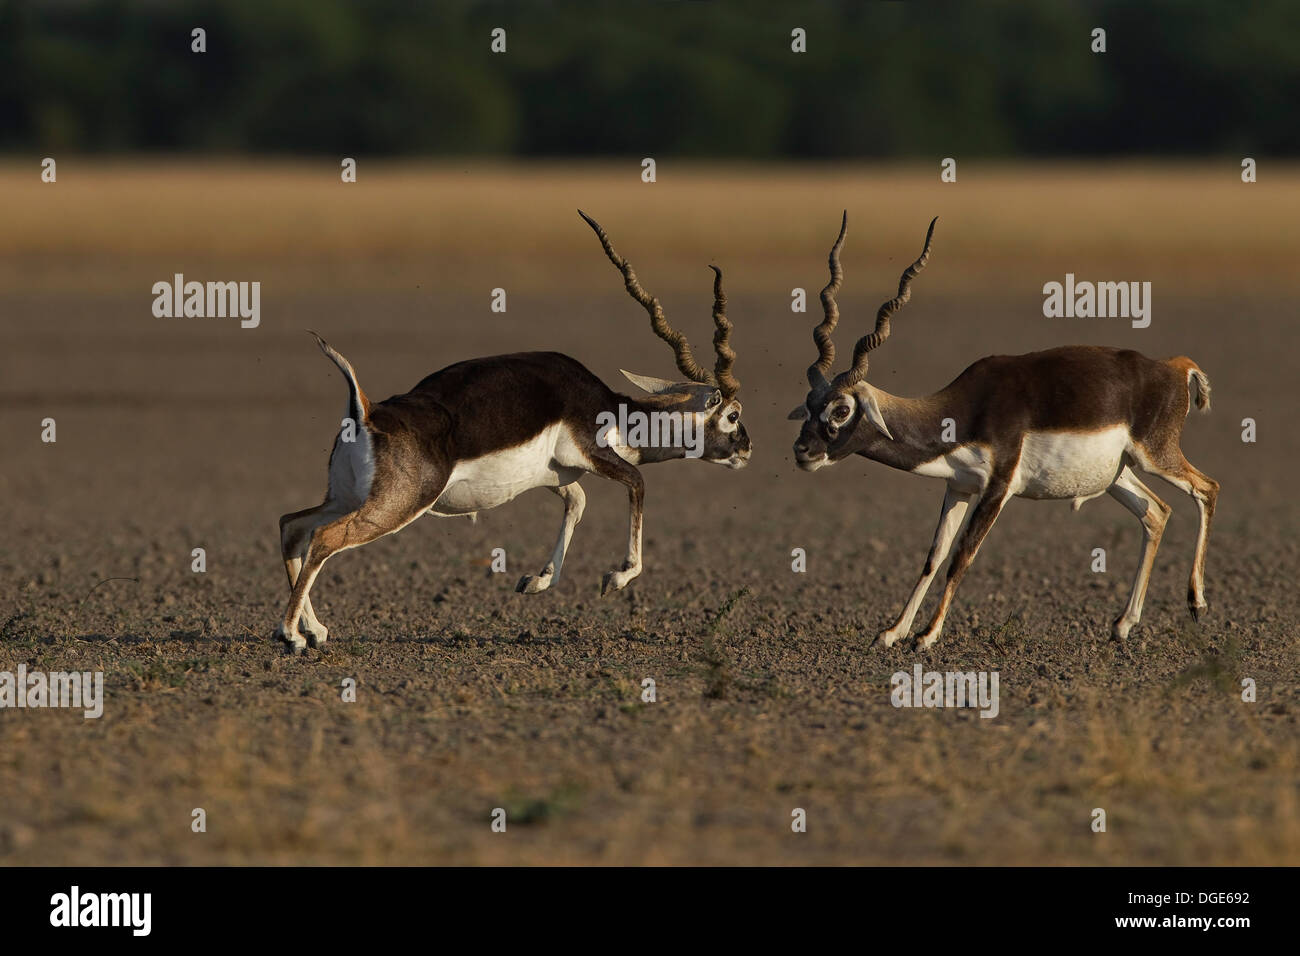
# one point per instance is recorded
(1206, 493)
(1153, 513)
(982, 516)
(616, 469)
(295, 536)
(378, 516)
(1204, 490)
(575, 502)
(950, 519)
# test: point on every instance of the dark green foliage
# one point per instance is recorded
(700, 79)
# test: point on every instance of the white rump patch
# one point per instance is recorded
(352, 468)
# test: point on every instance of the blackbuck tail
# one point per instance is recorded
(1201, 385)
(358, 404)
(1198, 383)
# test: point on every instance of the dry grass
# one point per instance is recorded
(465, 224)
(384, 782)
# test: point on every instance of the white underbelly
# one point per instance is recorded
(495, 478)
(1069, 464)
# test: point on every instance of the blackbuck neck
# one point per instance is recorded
(917, 427)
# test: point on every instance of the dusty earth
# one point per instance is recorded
(175, 434)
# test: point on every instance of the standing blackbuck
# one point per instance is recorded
(1070, 423)
(478, 433)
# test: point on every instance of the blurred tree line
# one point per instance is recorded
(651, 77)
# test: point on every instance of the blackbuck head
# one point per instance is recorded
(842, 415)
(708, 397)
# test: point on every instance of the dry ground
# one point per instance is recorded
(183, 433)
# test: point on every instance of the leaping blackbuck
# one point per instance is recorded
(478, 433)
(1068, 423)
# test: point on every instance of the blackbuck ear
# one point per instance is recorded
(648, 383)
(714, 400)
(872, 407)
(798, 414)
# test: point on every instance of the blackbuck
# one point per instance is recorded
(478, 433)
(1067, 423)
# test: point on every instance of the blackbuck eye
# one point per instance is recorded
(841, 413)
(733, 417)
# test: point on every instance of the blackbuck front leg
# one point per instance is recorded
(616, 469)
(1153, 513)
(950, 519)
(982, 517)
(575, 502)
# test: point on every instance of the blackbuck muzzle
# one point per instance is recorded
(479, 433)
(1068, 423)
